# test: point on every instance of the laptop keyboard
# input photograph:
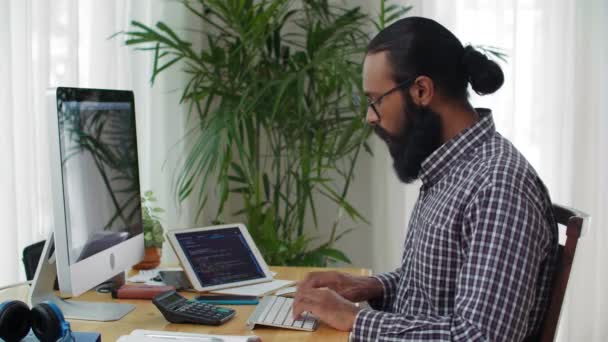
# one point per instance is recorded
(276, 312)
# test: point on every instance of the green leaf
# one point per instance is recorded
(158, 70)
(238, 170)
(335, 254)
(350, 210)
(241, 190)
(266, 182)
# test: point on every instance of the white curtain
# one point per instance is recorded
(553, 107)
(66, 43)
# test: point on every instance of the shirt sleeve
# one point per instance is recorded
(389, 282)
(505, 244)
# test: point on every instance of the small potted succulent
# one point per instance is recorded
(153, 232)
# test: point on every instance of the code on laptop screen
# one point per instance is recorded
(219, 256)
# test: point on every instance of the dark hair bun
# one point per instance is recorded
(484, 74)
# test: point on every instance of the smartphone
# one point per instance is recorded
(228, 299)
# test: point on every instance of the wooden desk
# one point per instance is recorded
(146, 316)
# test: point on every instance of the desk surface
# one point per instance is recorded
(146, 316)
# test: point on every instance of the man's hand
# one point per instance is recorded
(327, 305)
(352, 288)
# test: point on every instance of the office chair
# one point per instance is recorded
(572, 220)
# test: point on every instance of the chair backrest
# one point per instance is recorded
(573, 220)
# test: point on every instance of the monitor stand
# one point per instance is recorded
(42, 290)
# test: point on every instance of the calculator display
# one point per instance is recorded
(171, 299)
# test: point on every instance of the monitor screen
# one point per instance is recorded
(219, 256)
(100, 172)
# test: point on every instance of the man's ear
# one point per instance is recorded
(422, 91)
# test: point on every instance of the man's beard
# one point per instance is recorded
(420, 136)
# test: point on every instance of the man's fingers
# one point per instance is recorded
(304, 301)
(297, 311)
(298, 308)
(318, 280)
(312, 280)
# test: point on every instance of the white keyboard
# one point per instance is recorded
(276, 312)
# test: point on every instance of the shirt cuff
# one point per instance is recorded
(367, 325)
(383, 302)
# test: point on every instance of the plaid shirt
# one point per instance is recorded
(479, 253)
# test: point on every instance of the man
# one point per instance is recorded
(482, 241)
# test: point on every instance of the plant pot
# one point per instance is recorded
(151, 259)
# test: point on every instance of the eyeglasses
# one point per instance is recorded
(374, 103)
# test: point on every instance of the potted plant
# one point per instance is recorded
(274, 125)
(153, 232)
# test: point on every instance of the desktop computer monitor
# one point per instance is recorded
(98, 230)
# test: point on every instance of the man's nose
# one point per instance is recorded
(371, 117)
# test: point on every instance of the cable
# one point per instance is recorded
(29, 282)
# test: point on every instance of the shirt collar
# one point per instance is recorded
(436, 165)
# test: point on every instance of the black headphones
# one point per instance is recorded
(45, 319)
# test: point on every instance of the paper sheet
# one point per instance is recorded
(287, 291)
(147, 276)
(258, 290)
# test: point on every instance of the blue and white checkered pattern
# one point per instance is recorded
(480, 250)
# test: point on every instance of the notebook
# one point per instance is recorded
(169, 336)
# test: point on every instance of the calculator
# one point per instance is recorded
(178, 309)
